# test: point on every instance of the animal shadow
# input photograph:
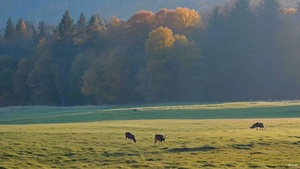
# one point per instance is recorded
(186, 149)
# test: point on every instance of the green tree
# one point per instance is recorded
(289, 43)
(115, 78)
(93, 81)
(94, 24)
(269, 25)
(42, 31)
(80, 30)
(63, 52)
(42, 80)
(80, 64)
(7, 68)
(212, 43)
(230, 47)
(66, 27)
(9, 31)
(241, 59)
(107, 80)
(298, 10)
(191, 71)
(21, 89)
(81, 23)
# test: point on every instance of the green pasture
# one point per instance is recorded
(235, 110)
(198, 136)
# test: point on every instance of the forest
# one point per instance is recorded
(235, 52)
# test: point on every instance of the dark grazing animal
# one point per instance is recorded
(160, 138)
(258, 125)
(130, 136)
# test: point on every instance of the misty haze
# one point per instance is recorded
(149, 84)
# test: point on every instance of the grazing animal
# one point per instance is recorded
(130, 136)
(258, 125)
(160, 138)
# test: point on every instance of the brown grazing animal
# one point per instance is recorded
(130, 136)
(257, 125)
(160, 138)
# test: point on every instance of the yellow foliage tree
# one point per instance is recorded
(159, 70)
(21, 29)
(181, 20)
(159, 39)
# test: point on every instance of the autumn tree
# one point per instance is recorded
(95, 24)
(160, 16)
(182, 20)
(21, 29)
(96, 32)
(116, 32)
(137, 29)
(236, 52)
(159, 39)
(159, 69)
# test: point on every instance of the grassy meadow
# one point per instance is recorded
(205, 141)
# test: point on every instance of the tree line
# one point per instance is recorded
(236, 52)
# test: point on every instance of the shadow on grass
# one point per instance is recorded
(243, 146)
(106, 154)
(185, 149)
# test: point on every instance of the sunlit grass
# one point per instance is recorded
(189, 144)
(198, 136)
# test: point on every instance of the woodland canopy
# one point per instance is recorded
(236, 52)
